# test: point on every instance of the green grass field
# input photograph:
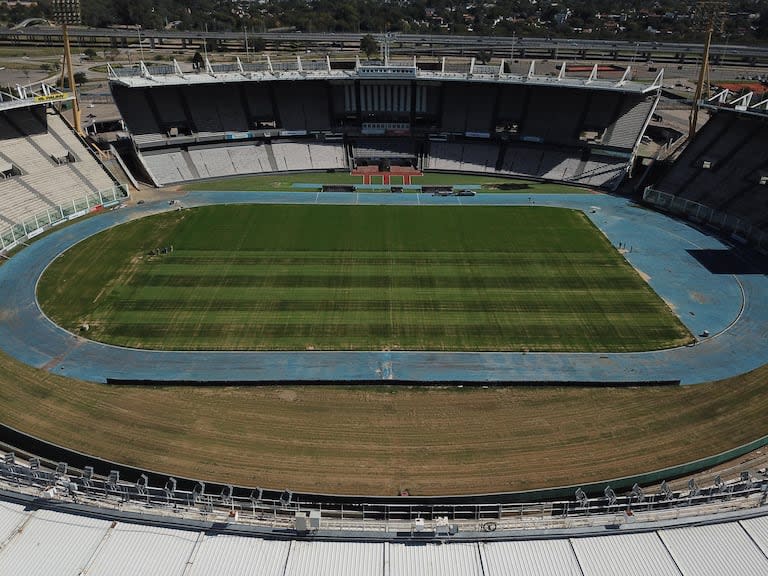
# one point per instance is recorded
(359, 277)
(285, 182)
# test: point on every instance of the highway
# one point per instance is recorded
(401, 44)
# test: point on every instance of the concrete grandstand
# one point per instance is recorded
(67, 521)
(48, 173)
(721, 177)
(248, 119)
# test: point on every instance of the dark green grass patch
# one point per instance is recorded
(497, 183)
(275, 182)
(356, 278)
(285, 182)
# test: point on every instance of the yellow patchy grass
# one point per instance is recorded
(382, 439)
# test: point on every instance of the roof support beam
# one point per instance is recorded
(743, 102)
(593, 74)
(625, 77)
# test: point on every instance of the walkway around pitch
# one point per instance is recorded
(732, 308)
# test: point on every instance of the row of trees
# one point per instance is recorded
(630, 19)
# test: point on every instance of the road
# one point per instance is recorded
(510, 46)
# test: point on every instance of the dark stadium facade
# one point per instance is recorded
(462, 117)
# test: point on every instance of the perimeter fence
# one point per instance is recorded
(38, 222)
(737, 228)
(288, 510)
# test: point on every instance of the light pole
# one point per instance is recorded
(141, 47)
(245, 34)
(68, 12)
(712, 11)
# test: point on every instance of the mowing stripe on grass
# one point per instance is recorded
(359, 277)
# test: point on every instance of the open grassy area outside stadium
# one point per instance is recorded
(287, 182)
(358, 278)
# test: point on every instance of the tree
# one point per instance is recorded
(368, 45)
(197, 61)
(484, 56)
(80, 79)
(761, 28)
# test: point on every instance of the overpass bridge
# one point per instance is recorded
(426, 44)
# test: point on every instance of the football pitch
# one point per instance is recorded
(288, 277)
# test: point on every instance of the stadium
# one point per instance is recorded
(516, 441)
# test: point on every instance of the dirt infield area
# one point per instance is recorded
(379, 440)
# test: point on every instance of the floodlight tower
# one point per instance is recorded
(67, 12)
(711, 13)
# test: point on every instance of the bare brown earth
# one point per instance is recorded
(384, 439)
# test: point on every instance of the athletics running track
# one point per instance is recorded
(730, 303)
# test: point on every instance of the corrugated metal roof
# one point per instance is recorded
(11, 515)
(624, 555)
(336, 558)
(238, 556)
(530, 558)
(757, 528)
(131, 550)
(46, 543)
(717, 550)
(52, 543)
(169, 77)
(455, 559)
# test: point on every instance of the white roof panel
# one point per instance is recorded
(336, 558)
(168, 76)
(131, 550)
(11, 515)
(530, 558)
(624, 555)
(239, 556)
(758, 530)
(455, 559)
(717, 549)
(53, 543)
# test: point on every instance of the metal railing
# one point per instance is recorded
(738, 228)
(61, 483)
(38, 222)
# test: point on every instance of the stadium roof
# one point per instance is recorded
(141, 75)
(43, 537)
(32, 95)
(747, 102)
